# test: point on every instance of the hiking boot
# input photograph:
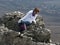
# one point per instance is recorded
(19, 36)
(19, 33)
(22, 35)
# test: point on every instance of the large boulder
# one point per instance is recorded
(38, 32)
(8, 37)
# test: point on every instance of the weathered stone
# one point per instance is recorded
(34, 35)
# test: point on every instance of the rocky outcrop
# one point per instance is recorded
(34, 35)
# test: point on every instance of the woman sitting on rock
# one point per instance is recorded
(27, 20)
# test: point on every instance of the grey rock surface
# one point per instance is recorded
(34, 35)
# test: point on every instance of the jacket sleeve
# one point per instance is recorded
(27, 14)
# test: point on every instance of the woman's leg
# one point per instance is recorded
(22, 27)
